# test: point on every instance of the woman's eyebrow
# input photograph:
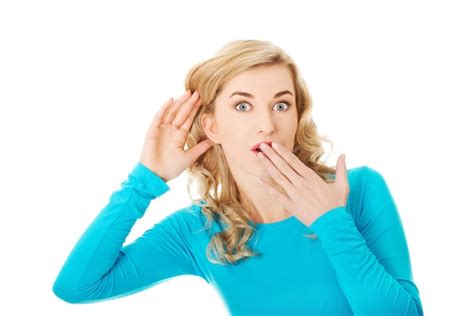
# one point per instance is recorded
(246, 94)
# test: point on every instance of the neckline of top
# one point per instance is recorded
(279, 224)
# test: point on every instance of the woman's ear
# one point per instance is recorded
(209, 126)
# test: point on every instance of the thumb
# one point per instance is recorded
(341, 171)
(199, 149)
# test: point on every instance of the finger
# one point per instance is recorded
(170, 114)
(291, 159)
(341, 172)
(190, 119)
(159, 115)
(185, 110)
(275, 173)
(282, 166)
(280, 196)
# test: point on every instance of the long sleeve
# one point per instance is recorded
(372, 265)
(99, 267)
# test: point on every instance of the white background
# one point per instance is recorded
(392, 84)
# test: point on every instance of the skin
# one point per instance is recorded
(241, 122)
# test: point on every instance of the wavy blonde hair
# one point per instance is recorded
(219, 196)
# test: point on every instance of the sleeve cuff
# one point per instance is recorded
(149, 181)
(326, 224)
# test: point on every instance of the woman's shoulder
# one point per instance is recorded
(365, 183)
(364, 175)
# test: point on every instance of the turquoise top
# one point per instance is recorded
(357, 264)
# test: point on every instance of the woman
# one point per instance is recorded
(296, 242)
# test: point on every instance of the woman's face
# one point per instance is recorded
(255, 106)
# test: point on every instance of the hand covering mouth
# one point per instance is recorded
(256, 147)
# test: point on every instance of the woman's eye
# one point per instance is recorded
(278, 104)
(239, 104)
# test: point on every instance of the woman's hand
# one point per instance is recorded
(307, 195)
(163, 150)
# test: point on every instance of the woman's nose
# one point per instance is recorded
(266, 123)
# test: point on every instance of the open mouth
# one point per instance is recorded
(256, 148)
(256, 151)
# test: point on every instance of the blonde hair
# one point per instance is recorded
(219, 195)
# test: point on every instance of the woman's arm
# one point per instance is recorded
(370, 258)
(100, 268)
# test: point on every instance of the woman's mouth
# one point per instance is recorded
(256, 151)
(256, 148)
